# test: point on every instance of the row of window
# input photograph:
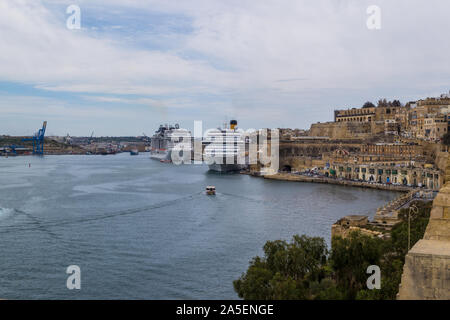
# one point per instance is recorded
(404, 181)
(357, 119)
(387, 171)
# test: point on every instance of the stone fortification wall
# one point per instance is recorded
(426, 273)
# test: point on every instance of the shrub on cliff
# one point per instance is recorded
(350, 258)
(304, 269)
(286, 270)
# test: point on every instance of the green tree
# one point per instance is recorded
(396, 103)
(285, 271)
(383, 103)
(304, 269)
(419, 222)
(395, 250)
(350, 258)
(368, 104)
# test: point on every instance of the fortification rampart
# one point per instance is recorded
(426, 273)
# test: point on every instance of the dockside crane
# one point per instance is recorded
(38, 140)
(90, 139)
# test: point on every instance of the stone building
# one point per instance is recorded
(433, 105)
(364, 123)
(398, 150)
(309, 152)
(347, 129)
(392, 127)
(386, 154)
(405, 175)
(398, 114)
(434, 127)
(352, 223)
(429, 118)
(355, 115)
(291, 134)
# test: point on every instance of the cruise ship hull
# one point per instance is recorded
(161, 155)
(224, 168)
(165, 139)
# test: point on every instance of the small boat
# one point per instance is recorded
(165, 161)
(210, 190)
(134, 152)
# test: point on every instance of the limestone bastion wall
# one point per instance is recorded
(426, 273)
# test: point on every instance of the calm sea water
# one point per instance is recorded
(140, 229)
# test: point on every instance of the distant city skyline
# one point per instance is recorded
(134, 65)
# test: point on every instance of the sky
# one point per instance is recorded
(275, 63)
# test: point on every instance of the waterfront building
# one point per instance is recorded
(402, 174)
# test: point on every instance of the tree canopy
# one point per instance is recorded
(368, 104)
(305, 269)
(287, 271)
(386, 103)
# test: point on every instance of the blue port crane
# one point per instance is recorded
(38, 140)
(11, 149)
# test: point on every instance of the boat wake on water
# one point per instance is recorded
(43, 226)
(5, 212)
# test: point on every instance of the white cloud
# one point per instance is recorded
(325, 42)
(38, 49)
(271, 56)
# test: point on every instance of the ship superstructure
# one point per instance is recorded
(165, 139)
(224, 148)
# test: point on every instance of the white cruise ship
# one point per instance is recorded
(164, 140)
(225, 148)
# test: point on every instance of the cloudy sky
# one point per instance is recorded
(135, 64)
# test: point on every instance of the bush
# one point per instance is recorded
(304, 269)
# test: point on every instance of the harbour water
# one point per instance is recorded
(141, 229)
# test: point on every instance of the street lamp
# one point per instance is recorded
(415, 210)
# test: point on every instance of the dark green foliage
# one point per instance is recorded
(304, 269)
(368, 104)
(446, 139)
(396, 103)
(350, 258)
(419, 222)
(385, 103)
(286, 270)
